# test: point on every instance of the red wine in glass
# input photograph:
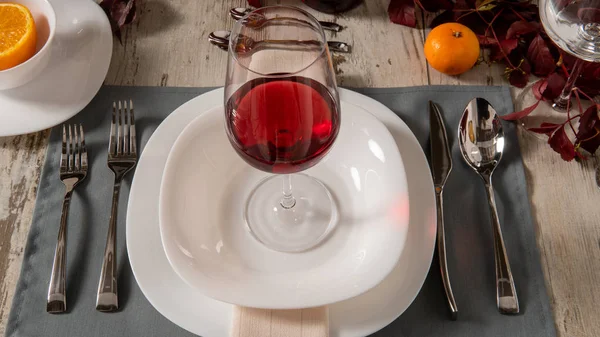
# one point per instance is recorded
(282, 124)
(332, 6)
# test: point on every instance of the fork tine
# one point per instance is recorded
(126, 123)
(77, 150)
(70, 164)
(120, 130)
(112, 143)
(63, 154)
(132, 129)
(84, 163)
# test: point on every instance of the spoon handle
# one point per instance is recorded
(441, 246)
(506, 295)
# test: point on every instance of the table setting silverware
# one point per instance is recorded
(220, 39)
(122, 158)
(441, 166)
(481, 140)
(238, 13)
(73, 170)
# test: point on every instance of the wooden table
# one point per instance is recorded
(167, 46)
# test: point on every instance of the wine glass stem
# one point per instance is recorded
(288, 200)
(562, 101)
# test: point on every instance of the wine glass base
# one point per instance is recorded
(560, 104)
(294, 229)
(541, 114)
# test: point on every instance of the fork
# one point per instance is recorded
(239, 13)
(122, 157)
(73, 169)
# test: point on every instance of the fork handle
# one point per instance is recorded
(107, 298)
(57, 300)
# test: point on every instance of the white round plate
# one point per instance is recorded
(204, 190)
(79, 58)
(191, 310)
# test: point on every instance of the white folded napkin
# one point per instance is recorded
(251, 322)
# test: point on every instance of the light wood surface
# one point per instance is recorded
(167, 46)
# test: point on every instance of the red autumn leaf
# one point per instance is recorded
(254, 3)
(520, 114)
(545, 128)
(555, 85)
(519, 28)
(589, 128)
(540, 57)
(589, 82)
(123, 12)
(589, 86)
(560, 142)
(591, 70)
(402, 12)
(119, 13)
(520, 77)
(435, 5)
(464, 4)
(539, 88)
(486, 41)
(505, 48)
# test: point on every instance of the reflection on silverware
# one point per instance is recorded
(481, 140)
(240, 12)
(441, 165)
(122, 157)
(220, 39)
(73, 169)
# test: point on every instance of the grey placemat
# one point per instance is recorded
(470, 254)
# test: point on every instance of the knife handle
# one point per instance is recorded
(441, 245)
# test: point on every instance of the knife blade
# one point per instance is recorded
(441, 160)
(441, 165)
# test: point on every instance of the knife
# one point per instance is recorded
(441, 165)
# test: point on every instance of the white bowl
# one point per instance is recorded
(205, 186)
(45, 25)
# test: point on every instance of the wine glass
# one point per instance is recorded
(282, 116)
(332, 6)
(574, 25)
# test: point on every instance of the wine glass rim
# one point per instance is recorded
(237, 28)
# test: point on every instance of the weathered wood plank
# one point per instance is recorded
(21, 160)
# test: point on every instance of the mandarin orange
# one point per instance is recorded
(452, 48)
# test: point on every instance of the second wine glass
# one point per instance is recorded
(282, 114)
(574, 25)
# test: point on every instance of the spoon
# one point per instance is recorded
(220, 39)
(481, 141)
(239, 12)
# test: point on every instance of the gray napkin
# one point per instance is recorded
(470, 253)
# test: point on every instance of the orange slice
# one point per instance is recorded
(17, 35)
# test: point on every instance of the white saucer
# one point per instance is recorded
(79, 60)
(188, 308)
(205, 186)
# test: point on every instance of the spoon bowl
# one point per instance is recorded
(481, 137)
(481, 142)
